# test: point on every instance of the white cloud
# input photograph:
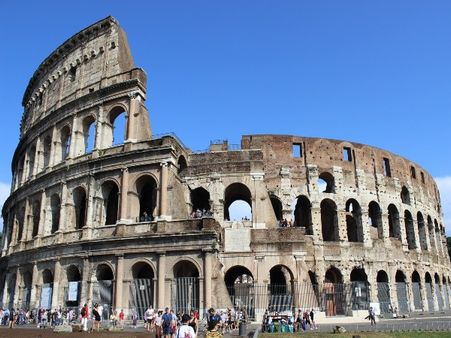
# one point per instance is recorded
(444, 185)
(4, 193)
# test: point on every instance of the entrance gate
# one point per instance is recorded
(334, 299)
(185, 294)
(430, 296)
(417, 302)
(141, 295)
(383, 296)
(403, 303)
(102, 293)
(438, 293)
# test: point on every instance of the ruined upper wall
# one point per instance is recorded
(82, 64)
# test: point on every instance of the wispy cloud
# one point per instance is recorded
(4, 193)
(444, 185)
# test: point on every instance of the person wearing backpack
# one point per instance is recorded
(167, 320)
(185, 331)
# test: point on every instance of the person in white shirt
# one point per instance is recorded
(185, 331)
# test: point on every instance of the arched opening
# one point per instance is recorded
(416, 291)
(36, 214)
(360, 294)
(73, 287)
(240, 196)
(431, 234)
(20, 224)
(116, 134)
(55, 206)
(334, 295)
(445, 292)
(422, 232)
(26, 291)
(200, 200)
(47, 148)
(103, 288)
(281, 289)
(276, 207)
(438, 291)
(401, 291)
(438, 240)
(141, 289)
(405, 195)
(65, 135)
(303, 214)
(182, 165)
(375, 220)
(429, 292)
(383, 291)
(326, 183)
(31, 161)
(394, 227)
(11, 290)
(110, 193)
(46, 290)
(410, 231)
(89, 134)
(146, 187)
(354, 221)
(79, 195)
(329, 220)
(186, 283)
(240, 285)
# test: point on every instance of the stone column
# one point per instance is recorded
(366, 235)
(316, 223)
(98, 141)
(63, 208)
(207, 278)
(124, 196)
(34, 286)
(119, 281)
(87, 230)
(26, 168)
(37, 158)
(56, 285)
(416, 234)
(164, 190)
(27, 224)
(5, 290)
(73, 138)
(342, 228)
(17, 287)
(86, 289)
(161, 280)
(42, 217)
(132, 117)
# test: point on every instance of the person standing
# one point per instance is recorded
(167, 321)
(96, 315)
(84, 316)
(121, 318)
(185, 330)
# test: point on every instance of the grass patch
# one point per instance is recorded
(428, 334)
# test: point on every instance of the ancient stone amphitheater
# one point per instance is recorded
(135, 220)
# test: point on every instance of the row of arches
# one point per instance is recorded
(76, 140)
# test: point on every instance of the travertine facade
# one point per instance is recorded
(97, 219)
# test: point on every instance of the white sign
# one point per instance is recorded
(73, 292)
(46, 297)
(142, 287)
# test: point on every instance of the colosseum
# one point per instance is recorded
(140, 220)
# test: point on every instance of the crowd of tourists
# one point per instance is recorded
(297, 322)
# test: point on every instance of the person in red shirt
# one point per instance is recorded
(84, 317)
(121, 318)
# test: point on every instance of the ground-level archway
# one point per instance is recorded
(333, 292)
(240, 286)
(103, 288)
(185, 287)
(141, 294)
(383, 291)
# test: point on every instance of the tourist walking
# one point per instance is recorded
(84, 317)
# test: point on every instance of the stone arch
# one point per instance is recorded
(422, 231)
(186, 279)
(182, 164)
(431, 233)
(416, 290)
(103, 285)
(36, 216)
(333, 275)
(236, 192)
(200, 199)
(329, 220)
(47, 148)
(354, 225)
(383, 291)
(410, 232)
(238, 274)
(88, 139)
(64, 147)
(110, 194)
(360, 293)
(47, 276)
(405, 195)
(55, 208)
(147, 190)
(142, 287)
(394, 227)
(382, 277)
(11, 290)
(401, 291)
(186, 268)
(303, 214)
(80, 206)
(375, 220)
(276, 207)
(73, 277)
(438, 291)
(104, 272)
(142, 270)
(27, 284)
(281, 280)
(115, 131)
(335, 302)
(326, 182)
(73, 273)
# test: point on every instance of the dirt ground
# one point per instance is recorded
(44, 333)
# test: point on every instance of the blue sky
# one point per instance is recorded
(376, 72)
